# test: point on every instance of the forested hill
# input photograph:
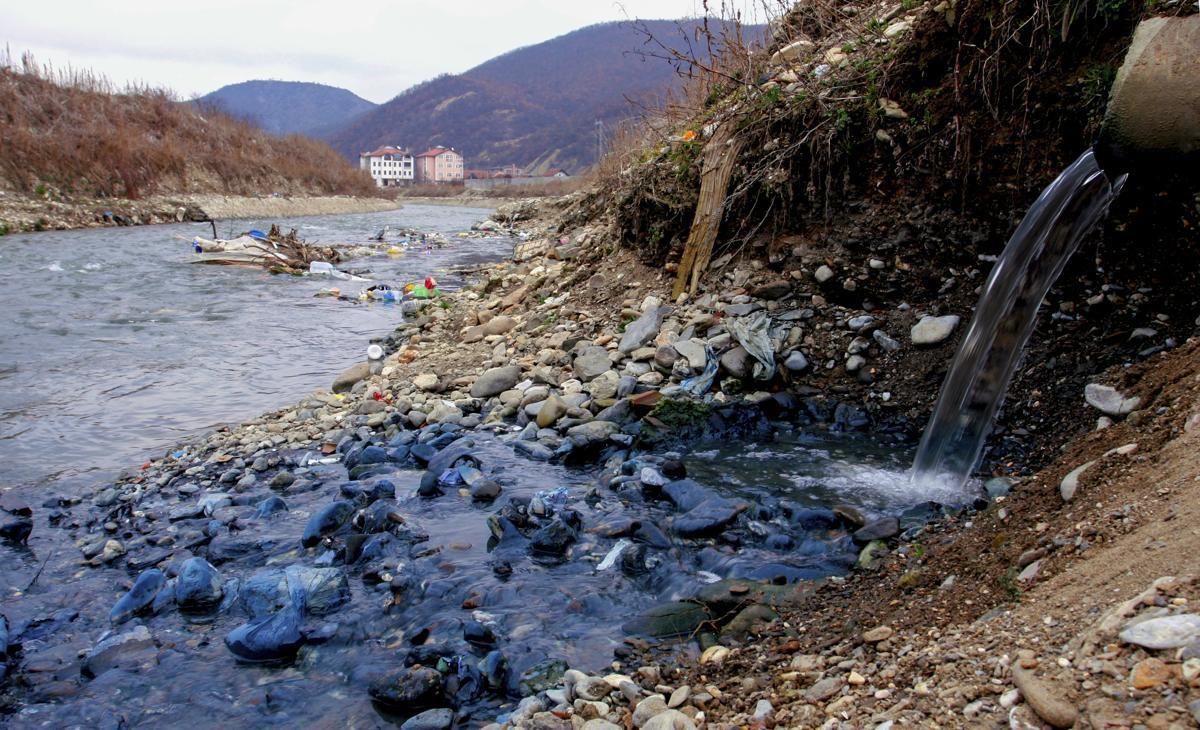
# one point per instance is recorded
(536, 105)
(286, 107)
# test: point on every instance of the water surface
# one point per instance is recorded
(113, 346)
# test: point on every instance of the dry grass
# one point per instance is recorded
(72, 131)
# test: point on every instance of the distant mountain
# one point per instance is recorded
(285, 107)
(535, 106)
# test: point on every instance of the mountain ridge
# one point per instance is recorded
(288, 107)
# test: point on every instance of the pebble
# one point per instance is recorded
(679, 696)
(878, 634)
(763, 710)
(648, 708)
(824, 689)
(1070, 483)
(669, 720)
(1149, 673)
(932, 330)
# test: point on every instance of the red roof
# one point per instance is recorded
(435, 152)
(385, 150)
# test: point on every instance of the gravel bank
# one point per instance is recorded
(20, 213)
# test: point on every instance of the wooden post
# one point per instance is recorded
(716, 169)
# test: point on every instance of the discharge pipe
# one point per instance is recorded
(1153, 115)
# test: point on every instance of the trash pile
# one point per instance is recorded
(279, 253)
(386, 293)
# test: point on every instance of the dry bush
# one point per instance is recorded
(69, 130)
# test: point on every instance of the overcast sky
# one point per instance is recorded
(375, 48)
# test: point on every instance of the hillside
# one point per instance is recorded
(71, 136)
(287, 107)
(532, 106)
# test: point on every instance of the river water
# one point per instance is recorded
(113, 346)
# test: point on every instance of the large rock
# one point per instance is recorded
(326, 521)
(737, 362)
(351, 376)
(495, 381)
(709, 517)
(439, 719)
(883, 528)
(796, 361)
(198, 585)
(499, 325)
(325, 590)
(592, 363)
(642, 330)
(693, 352)
(1109, 400)
(425, 381)
(139, 597)
(129, 651)
(678, 618)
(553, 408)
(592, 432)
(408, 688)
(269, 638)
(1165, 632)
(932, 330)
(777, 289)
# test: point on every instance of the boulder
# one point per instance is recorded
(642, 330)
(350, 377)
(592, 363)
(495, 381)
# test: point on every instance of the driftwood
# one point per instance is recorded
(720, 155)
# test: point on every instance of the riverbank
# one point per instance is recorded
(22, 213)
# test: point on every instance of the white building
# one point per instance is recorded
(389, 166)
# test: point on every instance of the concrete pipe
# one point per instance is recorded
(1153, 112)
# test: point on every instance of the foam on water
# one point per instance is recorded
(882, 489)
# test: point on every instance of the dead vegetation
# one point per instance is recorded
(71, 132)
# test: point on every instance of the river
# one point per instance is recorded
(113, 346)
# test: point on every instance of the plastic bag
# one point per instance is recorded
(698, 385)
(753, 333)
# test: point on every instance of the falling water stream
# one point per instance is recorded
(1066, 211)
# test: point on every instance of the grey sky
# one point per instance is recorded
(375, 48)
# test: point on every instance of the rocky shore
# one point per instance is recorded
(569, 357)
(53, 211)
